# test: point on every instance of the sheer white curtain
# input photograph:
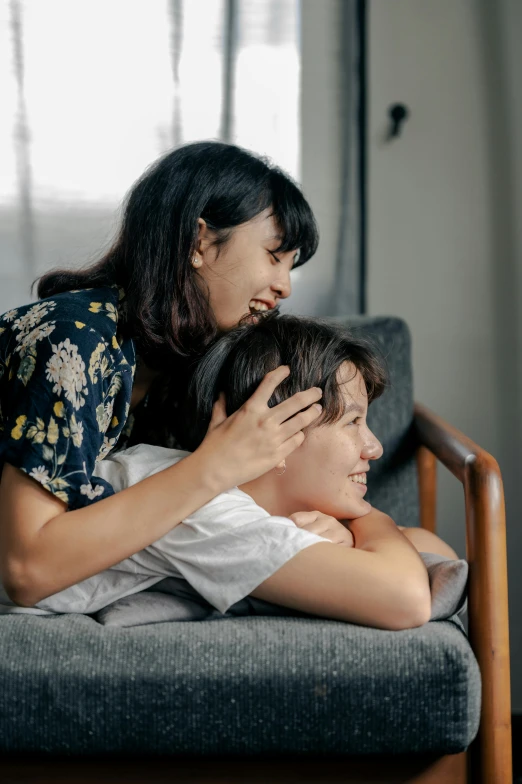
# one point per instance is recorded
(92, 91)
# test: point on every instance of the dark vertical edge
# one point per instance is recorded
(362, 122)
(230, 46)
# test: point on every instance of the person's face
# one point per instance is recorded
(246, 277)
(328, 471)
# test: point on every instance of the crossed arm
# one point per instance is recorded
(376, 579)
(339, 533)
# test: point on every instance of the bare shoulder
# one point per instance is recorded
(427, 542)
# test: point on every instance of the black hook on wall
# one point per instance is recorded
(398, 114)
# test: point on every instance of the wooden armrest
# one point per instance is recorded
(488, 623)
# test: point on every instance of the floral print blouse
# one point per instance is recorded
(65, 390)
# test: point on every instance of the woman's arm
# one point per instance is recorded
(382, 582)
(44, 548)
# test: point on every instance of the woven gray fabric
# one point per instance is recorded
(392, 480)
(243, 685)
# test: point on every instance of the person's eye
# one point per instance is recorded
(355, 421)
(274, 256)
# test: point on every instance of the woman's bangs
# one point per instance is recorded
(295, 221)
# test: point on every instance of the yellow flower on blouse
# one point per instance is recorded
(17, 430)
(52, 431)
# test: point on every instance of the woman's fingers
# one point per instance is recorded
(290, 444)
(300, 421)
(324, 525)
(298, 402)
(303, 518)
(266, 388)
(254, 439)
(289, 407)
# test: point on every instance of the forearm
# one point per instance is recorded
(75, 545)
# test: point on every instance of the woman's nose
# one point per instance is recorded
(372, 448)
(282, 286)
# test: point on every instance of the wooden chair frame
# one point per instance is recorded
(487, 761)
(490, 760)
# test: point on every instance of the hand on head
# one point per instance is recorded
(256, 438)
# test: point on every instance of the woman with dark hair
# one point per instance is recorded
(261, 539)
(209, 236)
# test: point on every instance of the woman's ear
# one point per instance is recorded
(204, 237)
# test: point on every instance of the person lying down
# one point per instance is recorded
(302, 535)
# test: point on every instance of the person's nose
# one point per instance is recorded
(372, 449)
(282, 287)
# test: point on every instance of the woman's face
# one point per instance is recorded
(328, 471)
(246, 276)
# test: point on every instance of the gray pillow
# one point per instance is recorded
(448, 582)
(174, 599)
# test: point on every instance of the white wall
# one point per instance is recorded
(444, 247)
(320, 144)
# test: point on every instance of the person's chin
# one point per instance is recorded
(350, 510)
(357, 509)
(366, 505)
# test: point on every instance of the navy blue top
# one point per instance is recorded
(65, 390)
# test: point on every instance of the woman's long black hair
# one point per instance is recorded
(166, 312)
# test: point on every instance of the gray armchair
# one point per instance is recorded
(285, 699)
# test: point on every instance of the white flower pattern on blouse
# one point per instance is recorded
(66, 369)
(65, 389)
(33, 317)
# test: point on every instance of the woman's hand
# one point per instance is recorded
(256, 438)
(324, 525)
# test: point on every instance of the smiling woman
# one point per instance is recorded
(252, 258)
(209, 235)
(207, 212)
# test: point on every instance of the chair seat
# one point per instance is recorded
(242, 686)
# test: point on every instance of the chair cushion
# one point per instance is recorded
(392, 480)
(240, 685)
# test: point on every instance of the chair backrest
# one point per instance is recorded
(392, 481)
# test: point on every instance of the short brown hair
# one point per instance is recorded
(314, 349)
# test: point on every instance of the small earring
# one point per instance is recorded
(196, 262)
(280, 473)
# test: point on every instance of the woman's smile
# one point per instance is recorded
(360, 487)
(262, 305)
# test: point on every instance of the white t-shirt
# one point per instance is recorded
(224, 550)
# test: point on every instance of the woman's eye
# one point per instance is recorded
(274, 256)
